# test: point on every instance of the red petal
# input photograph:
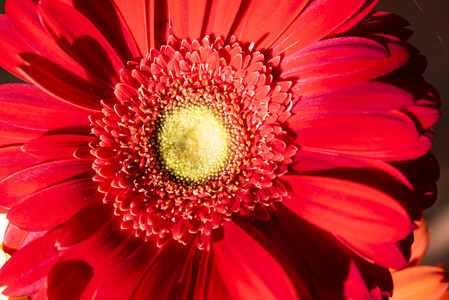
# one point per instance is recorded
(247, 269)
(356, 18)
(340, 130)
(209, 283)
(13, 159)
(57, 146)
(217, 22)
(141, 18)
(356, 212)
(319, 19)
(23, 105)
(54, 205)
(263, 21)
(10, 134)
(187, 18)
(30, 180)
(341, 61)
(25, 273)
(92, 219)
(81, 40)
(332, 265)
(104, 285)
(373, 173)
(23, 15)
(12, 44)
(68, 279)
(375, 23)
(388, 255)
(366, 96)
(59, 82)
(174, 267)
(423, 173)
(106, 17)
(16, 238)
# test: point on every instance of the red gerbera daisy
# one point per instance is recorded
(211, 149)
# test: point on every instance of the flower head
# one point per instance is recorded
(207, 149)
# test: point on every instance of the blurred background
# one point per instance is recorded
(429, 20)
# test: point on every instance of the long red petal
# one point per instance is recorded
(263, 21)
(319, 19)
(341, 61)
(81, 40)
(218, 23)
(31, 180)
(54, 205)
(58, 145)
(247, 269)
(343, 130)
(187, 17)
(25, 273)
(356, 212)
(24, 105)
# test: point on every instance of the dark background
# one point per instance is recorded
(429, 21)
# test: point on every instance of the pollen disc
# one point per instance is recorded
(193, 144)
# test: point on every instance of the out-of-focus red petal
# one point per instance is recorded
(30, 180)
(26, 272)
(345, 130)
(187, 18)
(54, 205)
(260, 22)
(247, 269)
(342, 61)
(81, 40)
(175, 266)
(420, 243)
(218, 23)
(24, 105)
(58, 145)
(356, 212)
(318, 20)
(419, 283)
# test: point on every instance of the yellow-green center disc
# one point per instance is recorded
(194, 144)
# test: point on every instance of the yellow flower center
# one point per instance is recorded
(194, 144)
